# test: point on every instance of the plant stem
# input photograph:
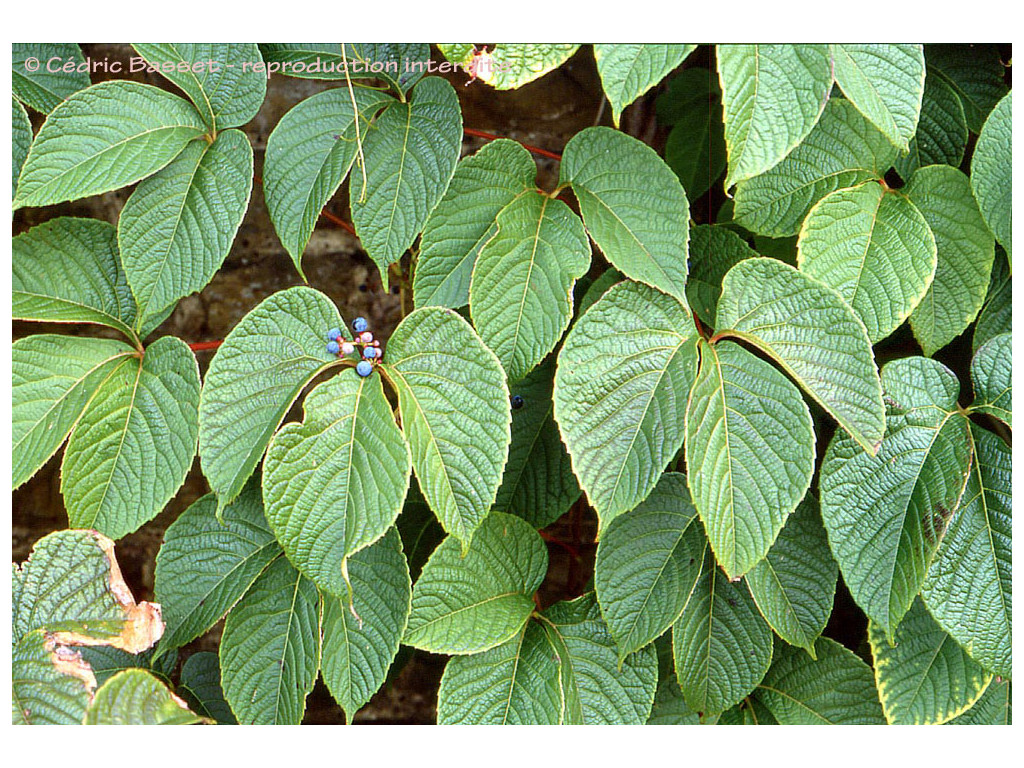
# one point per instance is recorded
(530, 147)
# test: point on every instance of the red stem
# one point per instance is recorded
(199, 346)
(492, 137)
(338, 221)
(554, 540)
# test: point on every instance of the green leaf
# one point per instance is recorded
(628, 71)
(40, 88)
(670, 707)
(941, 136)
(924, 677)
(648, 561)
(454, 404)
(750, 711)
(714, 250)
(813, 334)
(21, 139)
(106, 662)
(50, 684)
(695, 147)
(633, 205)
(993, 708)
(520, 296)
(623, 377)
(401, 64)
(968, 587)
(834, 687)
(178, 225)
(991, 173)
(134, 444)
(221, 79)
(464, 220)
(749, 452)
(200, 687)
(885, 82)
(410, 156)
(515, 683)
(886, 513)
(875, 249)
(103, 138)
(996, 314)
(335, 482)
(722, 646)
(309, 153)
(538, 484)
(419, 529)
(966, 252)
(975, 72)
(843, 150)
(259, 370)
(507, 66)
(67, 270)
(270, 649)
(206, 565)
(794, 586)
(992, 375)
(468, 603)
(135, 697)
(360, 642)
(772, 96)
(54, 378)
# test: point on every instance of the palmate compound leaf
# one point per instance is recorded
(993, 708)
(259, 370)
(843, 150)
(206, 565)
(813, 334)
(923, 676)
(360, 642)
(721, 645)
(941, 136)
(103, 138)
(309, 153)
(623, 377)
(520, 296)
(714, 250)
(21, 139)
(136, 697)
(464, 220)
(991, 172)
(506, 66)
(749, 452)
(885, 82)
(455, 415)
(966, 252)
(409, 156)
(40, 88)
(629, 70)
(772, 96)
(135, 441)
(648, 561)
(795, 584)
(992, 375)
(270, 649)
(968, 588)
(633, 205)
(885, 514)
(874, 248)
(471, 602)
(833, 687)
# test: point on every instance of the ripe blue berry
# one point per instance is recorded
(365, 368)
(347, 348)
(359, 324)
(333, 348)
(517, 402)
(334, 334)
(370, 352)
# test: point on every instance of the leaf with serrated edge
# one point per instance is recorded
(135, 697)
(714, 250)
(21, 139)
(975, 72)
(996, 314)
(991, 173)
(992, 375)
(50, 684)
(41, 88)
(993, 708)
(941, 136)
(506, 66)
(629, 70)
(695, 147)
(200, 687)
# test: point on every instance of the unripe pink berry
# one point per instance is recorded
(366, 337)
(347, 348)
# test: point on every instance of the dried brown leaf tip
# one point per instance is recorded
(68, 661)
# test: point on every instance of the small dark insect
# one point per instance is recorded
(517, 402)
(731, 601)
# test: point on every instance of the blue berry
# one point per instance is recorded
(365, 368)
(359, 324)
(334, 334)
(370, 352)
(333, 348)
(517, 402)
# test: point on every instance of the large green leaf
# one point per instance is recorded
(749, 452)
(772, 96)
(103, 138)
(360, 642)
(178, 225)
(309, 153)
(968, 588)
(993, 708)
(966, 252)
(975, 72)
(509, 65)
(844, 149)
(259, 370)
(398, 63)
(941, 136)
(670, 707)
(991, 172)
(992, 374)
(410, 156)
(520, 296)
(270, 649)
(623, 377)
(885, 81)
(885, 514)
(833, 687)
(714, 250)
(21, 139)
(206, 565)
(633, 205)
(453, 399)
(996, 314)
(50, 684)
(134, 444)
(67, 270)
(874, 248)
(54, 377)
(106, 661)
(470, 602)
(335, 482)
(135, 697)
(648, 561)
(924, 677)
(813, 334)
(200, 687)
(39, 87)
(464, 220)
(629, 70)
(695, 147)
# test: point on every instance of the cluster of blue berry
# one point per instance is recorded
(371, 347)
